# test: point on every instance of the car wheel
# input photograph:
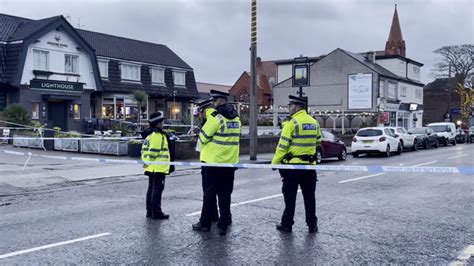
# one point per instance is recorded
(445, 142)
(415, 146)
(387, 151)
(343, 155)
(454, 142)
(399, 149)
(319, 157)
(355, 154)
(401, 142)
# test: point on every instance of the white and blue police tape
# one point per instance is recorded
(350, 168)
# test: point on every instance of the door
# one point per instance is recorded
(57, 115)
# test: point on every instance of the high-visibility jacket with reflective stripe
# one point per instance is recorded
(299, 137)
(220, 139)
(155, 149)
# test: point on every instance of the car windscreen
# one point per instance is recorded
(440, 128)
(418, 131)
(369, 133)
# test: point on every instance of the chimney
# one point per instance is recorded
(371, 57)
(259, 61)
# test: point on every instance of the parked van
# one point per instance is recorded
(446, 132)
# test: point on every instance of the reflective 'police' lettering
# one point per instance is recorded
(232, 124)
(309, 126)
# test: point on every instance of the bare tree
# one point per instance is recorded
(458, 59)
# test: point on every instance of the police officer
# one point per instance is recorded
(219, 138)
(205, 110)
(157, 147)
(297, 145)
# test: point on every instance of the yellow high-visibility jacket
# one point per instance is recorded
(155, 149)
(220, 139)
(299, 137)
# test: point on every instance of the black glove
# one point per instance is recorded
(172, 168)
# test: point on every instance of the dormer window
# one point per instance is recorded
(130, 72)
(104, 68)
(71, 64)
(179, 78)
(40, 60)
(157, 75)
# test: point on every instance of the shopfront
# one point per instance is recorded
(122, 107)
(57, 103)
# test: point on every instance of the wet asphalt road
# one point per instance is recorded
(386, 218)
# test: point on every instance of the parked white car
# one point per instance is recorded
(446, 132)
(375, 140)
(407, 140)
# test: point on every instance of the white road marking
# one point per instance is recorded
(51, 245)
(359, 178)
(244, 202)
(462, 259)
(462, 155)
(424, 163)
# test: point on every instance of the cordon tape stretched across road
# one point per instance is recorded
(352, 168)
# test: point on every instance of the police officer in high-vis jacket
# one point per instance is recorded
(157, 147)
(297, 145)
(219, 138)
(205, 110)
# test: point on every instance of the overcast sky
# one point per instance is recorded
(212, 36)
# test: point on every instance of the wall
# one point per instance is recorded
(57, 60)
(187, 149)
(328, 79)
(284, 72)
(395, 65)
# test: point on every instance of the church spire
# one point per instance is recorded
(395, 44)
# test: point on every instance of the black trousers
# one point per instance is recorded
(306, 179)
(156, 185)
(205, 184)
(217, 181)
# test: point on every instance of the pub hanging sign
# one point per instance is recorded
(37, 84)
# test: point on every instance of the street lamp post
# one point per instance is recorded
(253, 88)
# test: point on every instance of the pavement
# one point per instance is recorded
(40, 173)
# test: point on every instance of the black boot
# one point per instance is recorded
(312, 229)
(222, 231)
(198, 227)
(284, 228)
(148, 214)
(159, 216)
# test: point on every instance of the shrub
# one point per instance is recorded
(15, 113)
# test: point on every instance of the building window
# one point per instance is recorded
(416, 70)
(403, 92)
(35, 110)
(71, 64)
(381, 88)
(130, 72)
(77, 111)
(393, 119)
(41, 60)
(158, 75)
(104, 68)
(178, 78)
(174, 110)
(392, 90)
(401, 67)
(418, 94)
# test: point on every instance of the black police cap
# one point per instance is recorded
(156, 117)
(296, 99)
(204, 104)
(219, 94)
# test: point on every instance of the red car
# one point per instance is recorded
(330, 147)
